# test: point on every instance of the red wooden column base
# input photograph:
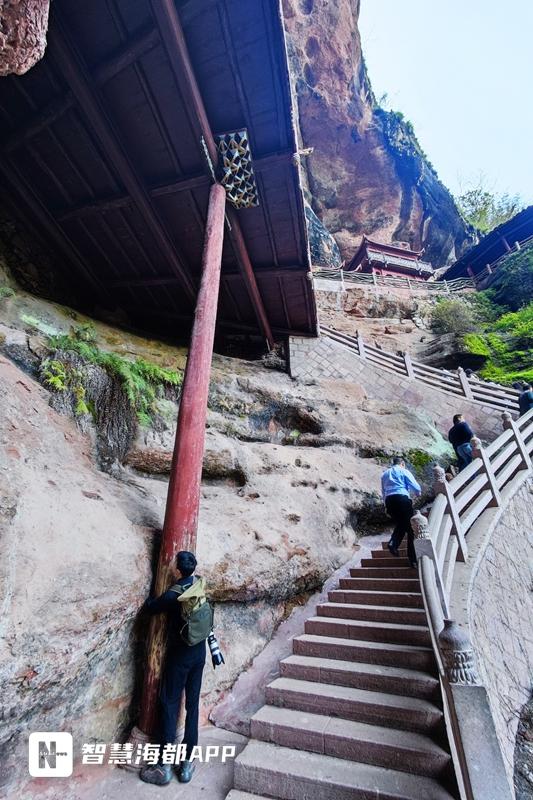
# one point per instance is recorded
(183, 499)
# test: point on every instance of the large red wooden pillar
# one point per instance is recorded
(183, 499)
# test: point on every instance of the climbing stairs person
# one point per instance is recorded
(356, 712)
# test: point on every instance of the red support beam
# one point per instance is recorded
(245, 265)
(173, 38)
(183, 499)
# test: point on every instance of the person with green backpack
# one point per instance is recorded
(190, 617)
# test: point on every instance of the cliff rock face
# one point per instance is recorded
(23, 26)
(367, 173)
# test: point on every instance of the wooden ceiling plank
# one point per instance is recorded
(169, 25)
(80, 85)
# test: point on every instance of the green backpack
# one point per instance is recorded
(196, 611)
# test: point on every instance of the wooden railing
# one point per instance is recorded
(395, 281)
(441, 542)
(500, 397)
(484, 278)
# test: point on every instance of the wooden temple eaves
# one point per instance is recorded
(102, 154)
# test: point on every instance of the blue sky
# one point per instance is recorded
(462, 72)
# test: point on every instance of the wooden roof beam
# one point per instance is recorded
(170, 280)
(78, 80)
(182, 185)
(120, 201)
(122, 58)
(169, 25)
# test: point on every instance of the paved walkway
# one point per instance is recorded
(211, 781)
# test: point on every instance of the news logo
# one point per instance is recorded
(50, 754)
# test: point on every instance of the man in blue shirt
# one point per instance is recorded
(396, 484)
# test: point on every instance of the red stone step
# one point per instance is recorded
(386, 654)
(289, 774)
(372, 631)
(384, 572)
(385, 546)
(357, 741)
(383, 584)
(379, 554)
(381, 563)
(374, 677)
(409, 616)
(403, 599)
(375, 708)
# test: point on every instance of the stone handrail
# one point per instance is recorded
(502, 398)
(398, 281)
(442, 541)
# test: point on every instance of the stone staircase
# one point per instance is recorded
(356, 713)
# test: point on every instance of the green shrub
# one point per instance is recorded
(453, 316)
(6, 291)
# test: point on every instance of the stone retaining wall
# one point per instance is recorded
(312, 359)
(501, 618)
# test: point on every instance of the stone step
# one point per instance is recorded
(409, 616)
(385, 546)
(384, 572)
(383, 584)
(385, 553)
(357, 741)
(374, 677)
(403, 599)
(288, 774)
(375, 708)
(371, 631)
(236, 794)
(382, 563)
(393, 655)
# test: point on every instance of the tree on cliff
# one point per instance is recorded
(486, 210)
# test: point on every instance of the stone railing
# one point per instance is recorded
(500, 397)
(470, 503)
(394, 281)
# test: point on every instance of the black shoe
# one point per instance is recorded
(159, 774)
(393, 550)
(185, 771)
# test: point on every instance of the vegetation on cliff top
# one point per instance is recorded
(484, 209)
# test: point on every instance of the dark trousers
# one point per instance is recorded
(183, 673)
(400, 508)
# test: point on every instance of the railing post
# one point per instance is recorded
(510, 424)
(361, 345)
(478, 452)
(457, 655)
(424, 547)
(375, 282)
(441, 486)
(465, 384)
(448, 290)
(408, 365)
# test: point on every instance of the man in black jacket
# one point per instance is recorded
(459, 436)
(183, 670)
(525, 401)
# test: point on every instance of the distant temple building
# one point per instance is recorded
(388, 259)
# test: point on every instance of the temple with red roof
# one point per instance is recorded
(389, 259)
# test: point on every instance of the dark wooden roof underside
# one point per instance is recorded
(101, 152)
(492, 246)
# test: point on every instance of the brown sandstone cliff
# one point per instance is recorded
(23, 26)
(367, 173)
